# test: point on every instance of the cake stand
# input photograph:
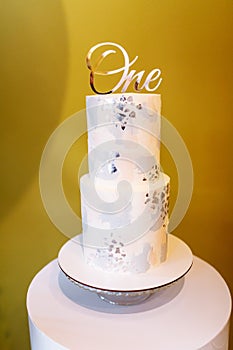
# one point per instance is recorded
(125, 288)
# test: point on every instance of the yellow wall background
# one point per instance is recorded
(44, 80)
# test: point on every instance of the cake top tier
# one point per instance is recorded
(123, 127)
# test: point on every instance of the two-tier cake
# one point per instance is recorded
(125, 196)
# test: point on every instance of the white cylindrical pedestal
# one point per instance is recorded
(191, 314)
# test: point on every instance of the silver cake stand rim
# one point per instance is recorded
(107, 290)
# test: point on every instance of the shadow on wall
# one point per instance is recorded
(33, 81)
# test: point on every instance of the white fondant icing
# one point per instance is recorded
(124, 198)
(108, 206)
(119, 122)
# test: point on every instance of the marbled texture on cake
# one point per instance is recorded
(125, 197)
(120, 118)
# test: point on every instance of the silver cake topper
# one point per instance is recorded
(127, 76)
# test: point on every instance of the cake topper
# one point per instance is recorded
(127, 76)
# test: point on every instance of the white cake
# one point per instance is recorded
(125, 197)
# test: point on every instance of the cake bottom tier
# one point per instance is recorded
(125, 230)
